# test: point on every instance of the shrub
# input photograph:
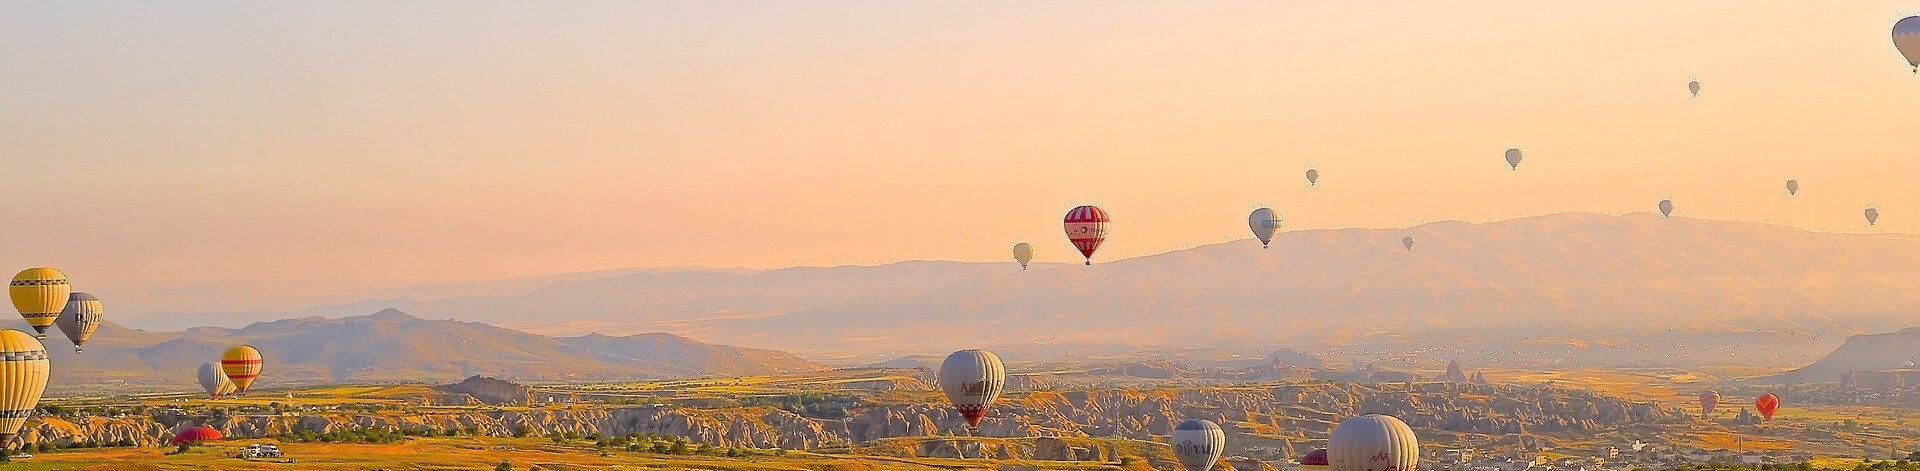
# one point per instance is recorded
(503, 466)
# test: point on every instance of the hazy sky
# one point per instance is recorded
(166, 151)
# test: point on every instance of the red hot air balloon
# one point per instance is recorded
(1086, 227)
(196, 434)
(1766, 404)
(1317, 457)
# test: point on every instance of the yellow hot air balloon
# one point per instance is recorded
(242, 365)
(23, 376)
(1023, 253)
(39, 293)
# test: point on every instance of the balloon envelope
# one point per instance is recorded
(1513, 158)
(1198, 444)
(1313, 176)
(1793, 187)
(23, 377)
(1317, 457)
(1694, 87)
(1666, 208)
(1086, 226)
(1872, 215)
(80, 318)
(972, 380)
(1407, 242)
(39, 293)
(1023, 253)
(242, 365)
(1709, 399)
(213, 380)
(195, 434)
(1906, 38)
(1766, 404)
(1373, 443)
(1264, 224)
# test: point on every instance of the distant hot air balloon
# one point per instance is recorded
(1907, 364)
(972, 380)
(195, 434)
(80, 318)
(1694, 87)
(1906, 38)
(1666, 208)
(1872, 215)
(213, 380)
(1316, 458)
(1313, 176)
(1407, 241)
(1766, 404)
(1373, 443)
(242, 365)
(23, 377)
(1198, 444)
(39, 294)
(1709, 399)
(1513, 158)
(1264, 224)
(1023, 253)
(1793, 187)
(1086, 227)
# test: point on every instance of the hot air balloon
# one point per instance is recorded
(1316, 458)
(1793, 187)
(1313, 176)
(80, 318)
(195, 434)
(1766, 404)
(1872, 215)
(242, 365)
(39, 294)
(1666, 208)
(972, 380)
(1264, 224)
(1373, 443)
(23, 376)
(1906, 38)
(1906, 364)
(1407, 242)
(1694, 87)
(1709, 399)
(1198, 444)
(213, 380)
(1513, 158)
(1086, 227)
(1022, 253)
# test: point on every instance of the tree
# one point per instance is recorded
(503, 466)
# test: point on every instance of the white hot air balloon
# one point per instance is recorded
(972, 380)
(1906, 38)
(1198, 444)
(1373, 443)
(1407, 242)
(1872, 216)
(1694, 87)
(1666, 208)
(1313, 176)
(1513, 158)
(1793, 187)
(1264, 224)
(1023, 253)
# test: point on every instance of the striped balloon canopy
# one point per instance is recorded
(39, 293)
(1086, 227)
(80, 318)
(23, 377)
(242, 365)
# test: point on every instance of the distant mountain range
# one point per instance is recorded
(391, 346)
(1558, 287)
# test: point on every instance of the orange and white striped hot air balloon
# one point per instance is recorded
(23, 376)
(39, 293)
(242, 365)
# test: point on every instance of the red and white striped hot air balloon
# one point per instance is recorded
(1086, 227)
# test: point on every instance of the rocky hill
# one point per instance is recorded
(1865, 352)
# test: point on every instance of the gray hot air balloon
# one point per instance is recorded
(1373, 443)
(1198, 444)
(1407, 241)
(80, 318)
(1313, 176)
(214, 380)
(1906, 38)
(972, 380)
(1793, 187)
(1264, 224)
(1872, 215)
(1694, 87)
(1666, 208)
(1513, 158)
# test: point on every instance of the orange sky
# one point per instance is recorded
(325, 145)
